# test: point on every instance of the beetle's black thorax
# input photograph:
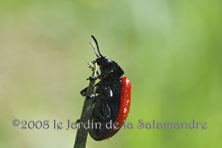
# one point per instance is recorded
(109, 69)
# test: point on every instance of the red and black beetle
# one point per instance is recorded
(111, 95)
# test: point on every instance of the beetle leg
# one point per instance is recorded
(77, 121)
(91, 78)
(89, 96)
(102, 109)
(92, 96)
(106, 111)
(83, 92)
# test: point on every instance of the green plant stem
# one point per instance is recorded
(81, 136)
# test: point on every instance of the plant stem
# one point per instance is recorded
(81, 136)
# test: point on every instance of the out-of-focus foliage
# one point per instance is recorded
(171, 51)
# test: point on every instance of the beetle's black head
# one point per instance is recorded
(109, 69)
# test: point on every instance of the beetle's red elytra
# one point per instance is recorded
(124, 101)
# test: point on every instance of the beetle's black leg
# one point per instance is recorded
(78, 121)
(97, 73)
(83, 92)
(92, 78)
(102, 109)
(106, 111)
(91, 96)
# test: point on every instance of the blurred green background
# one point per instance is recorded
(171, 51)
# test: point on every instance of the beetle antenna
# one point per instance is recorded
(94, 48)
(97, 45)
